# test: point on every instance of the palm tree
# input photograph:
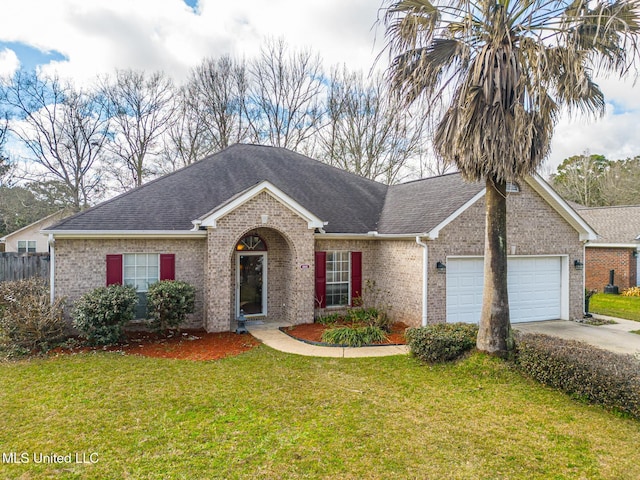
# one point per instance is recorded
(497, 74)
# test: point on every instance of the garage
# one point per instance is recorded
(535, 288)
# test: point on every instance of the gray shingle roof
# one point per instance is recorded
(419, 206)
(613, 224)
(349, 203)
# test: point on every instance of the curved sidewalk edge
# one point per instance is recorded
(278, 340)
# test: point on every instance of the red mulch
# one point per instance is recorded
(313, 332)
(184, 344)
(200, 345)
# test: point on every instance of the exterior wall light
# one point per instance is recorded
(578, 264)
(441, 267)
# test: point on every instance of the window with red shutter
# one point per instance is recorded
(321, 279)
(356, 276)
(114, 270)
(167, 266)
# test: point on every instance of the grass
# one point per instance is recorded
(615, 306)
(270, 415)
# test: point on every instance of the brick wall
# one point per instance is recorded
(600, 260)
(533, 228)
(290, 247)
(80, 265)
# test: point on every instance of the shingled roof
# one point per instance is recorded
(348, 202)
(619, 224)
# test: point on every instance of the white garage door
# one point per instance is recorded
(534, 289)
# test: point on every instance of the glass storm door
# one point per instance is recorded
(251, 283)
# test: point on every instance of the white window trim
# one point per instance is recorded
(124, 266)
(27, 244)
(327, 282)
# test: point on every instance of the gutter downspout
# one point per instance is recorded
(52, 268)
(425, 277)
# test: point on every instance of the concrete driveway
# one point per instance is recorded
(615, 337)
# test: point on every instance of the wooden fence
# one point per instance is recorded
(17, 266)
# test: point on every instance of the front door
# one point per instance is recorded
(251, 283)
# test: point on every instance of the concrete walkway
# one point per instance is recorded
(615, 337)
(269, 334)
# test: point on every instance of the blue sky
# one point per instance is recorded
(83, 38)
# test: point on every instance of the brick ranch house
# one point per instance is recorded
(285, 237)
(616, 247)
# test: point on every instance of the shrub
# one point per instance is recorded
(329, 319)
(631, 292)
(369, 316)
(100, 315)
(354, 336)
(581, 370)
(441, 342)
(168, 303)
(28, 319)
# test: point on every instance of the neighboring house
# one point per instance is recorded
(29, 239)
(282, 236)
(616, 247)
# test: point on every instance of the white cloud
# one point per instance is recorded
(9, 63)
(98, 36)
(616, 135)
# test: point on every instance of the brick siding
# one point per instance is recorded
(80, 265)
(395, 266)
(600, 260)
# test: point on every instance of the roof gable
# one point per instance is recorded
(211, 218)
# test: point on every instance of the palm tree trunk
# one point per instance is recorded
(494, 335)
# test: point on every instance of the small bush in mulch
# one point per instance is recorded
(581, 370)
(101, 314)
(354, 335)
(168, 303)
(28, 319)
(442, 342)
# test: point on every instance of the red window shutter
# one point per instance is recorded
(114, 270)
(356, 275)
(321, 279)
(167, 266)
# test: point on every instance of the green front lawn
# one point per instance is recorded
(266, 414)
(615, 306)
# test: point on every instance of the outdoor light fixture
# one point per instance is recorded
(578, 264)
(242, 328)
(441, 267)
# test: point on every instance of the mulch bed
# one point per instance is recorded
(312, 332)
(184, 344)
(200, 345)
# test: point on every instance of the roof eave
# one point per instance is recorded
(95, 234)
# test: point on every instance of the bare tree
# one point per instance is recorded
(186, 140)
(64, 129)
(284, 94)
(5, 166)
(141, 107)
(220, 89)
(369, 130)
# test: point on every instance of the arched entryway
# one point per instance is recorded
(251, 267)
(263, 276)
